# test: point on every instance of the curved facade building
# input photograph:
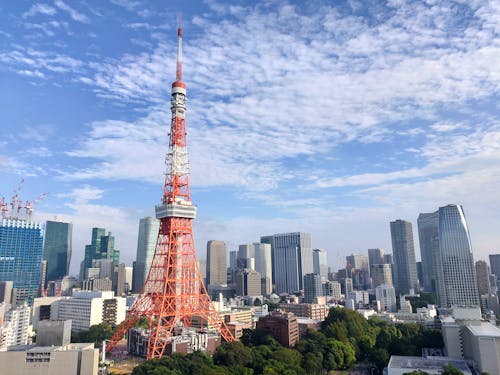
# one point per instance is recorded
(458, 274)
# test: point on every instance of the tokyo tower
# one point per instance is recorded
(173, 292)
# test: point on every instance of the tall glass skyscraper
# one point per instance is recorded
(456, 277)
(57, 249)
(102, 246)
(21, 251)
(403, 250)
(292, 259)
(146, 244)
(429, 248)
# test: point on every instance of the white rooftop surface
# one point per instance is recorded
(302, 320)
(485, 329)
(426, 364)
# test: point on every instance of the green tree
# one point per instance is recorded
(100, 332)
(349, 355)
(379, 357)
(287, 356)
(232, 354)
(451, 370)
(334, 354)
(417, 372)
(313, 362)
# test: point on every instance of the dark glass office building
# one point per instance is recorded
(57, 249)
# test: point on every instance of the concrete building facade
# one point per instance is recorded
(284, 327)
(216, 263)
(291, 258)
(146, 244)
(403, 250)
(81, 359)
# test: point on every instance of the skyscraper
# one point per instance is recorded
(483, 277)
(21, 252)
(381, 274)
(102, 246)
(357, 261)
(57, 249)
(456, 277)
(292, 259)
(320, 266)
(146, 243)
(216, 263)
(264, 266)
(405, 269)
(495, 265)
(429, 248)
(312, 287)
(495, 268)
(248, 282)
(375, 256)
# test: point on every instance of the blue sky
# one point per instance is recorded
(328, 117)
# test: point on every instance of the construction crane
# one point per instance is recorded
(18, 206)
(31, 205)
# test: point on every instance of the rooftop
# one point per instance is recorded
(484, 329)
(427, 363)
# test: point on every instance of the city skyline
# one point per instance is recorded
(85, 112)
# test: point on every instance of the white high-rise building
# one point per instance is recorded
(264, 265)
(14, 330)
(320, 266)
(146, 244)
(87, 308)
(291, 258)
(387, 297)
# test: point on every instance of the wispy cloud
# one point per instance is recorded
(74, 14)
(263, 91)
(39, 64)
(40, 8)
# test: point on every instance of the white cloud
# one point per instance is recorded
(262, 91)
(40, 8)
(86, 212)
(74, 14)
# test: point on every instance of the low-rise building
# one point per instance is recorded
(284, 327)
(53, 333)
(306, 310)
(467, 336)
(242, 316)
(481, 343)
(306, 323)
(399, 365)
(80, 359)
(187, 342)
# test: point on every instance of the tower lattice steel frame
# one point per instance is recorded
(173, 292)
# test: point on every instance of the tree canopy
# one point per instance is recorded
(345, 338)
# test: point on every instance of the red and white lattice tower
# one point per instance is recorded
(173, 292)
